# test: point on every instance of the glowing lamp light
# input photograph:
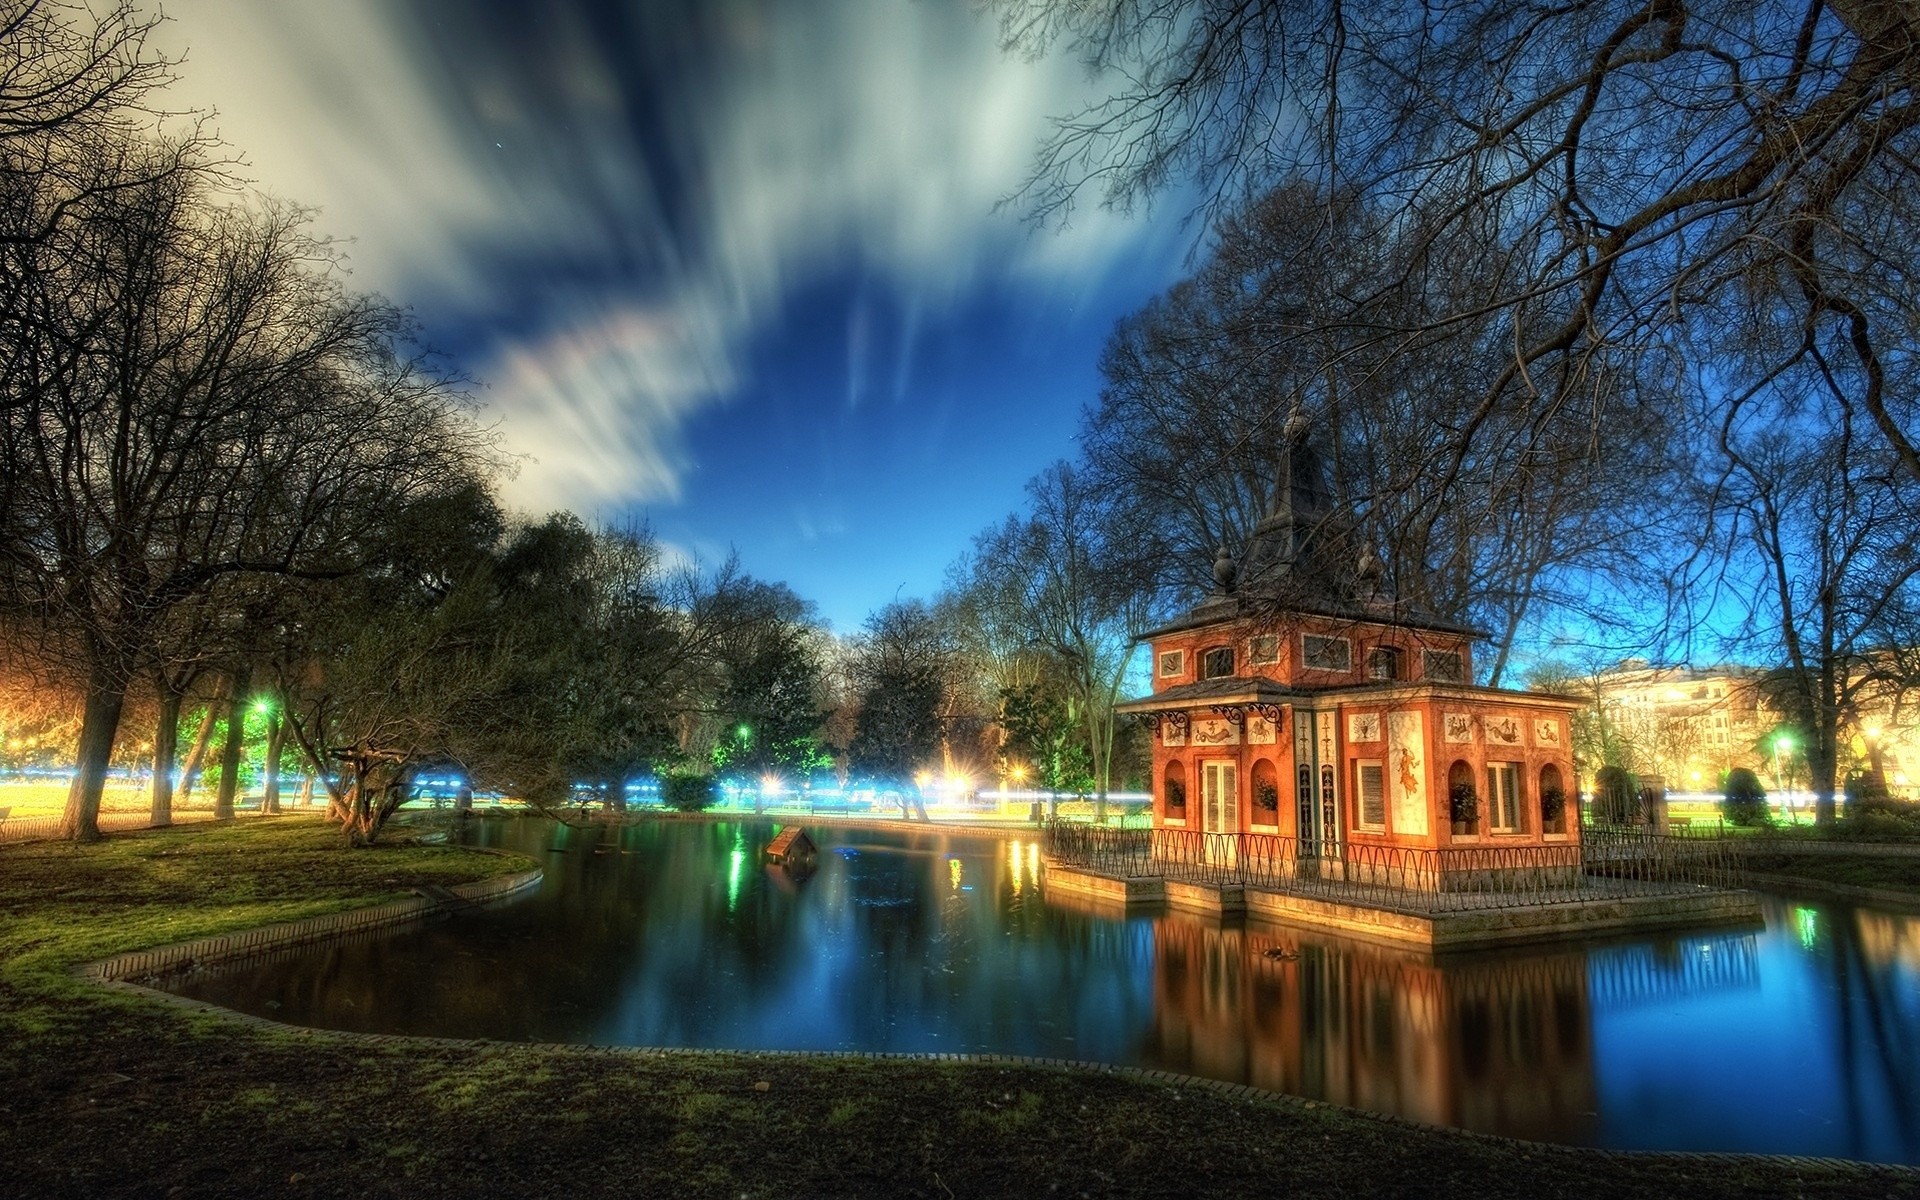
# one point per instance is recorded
(263, 706)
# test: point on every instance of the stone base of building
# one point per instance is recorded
(1463, 929)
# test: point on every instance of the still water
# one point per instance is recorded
(1801, 1038)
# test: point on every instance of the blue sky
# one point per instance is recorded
(738, 268)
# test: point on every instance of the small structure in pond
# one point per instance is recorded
(792, 848)
(1301, 699)
(1311, 728)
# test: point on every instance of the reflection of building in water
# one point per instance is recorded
(1673, 969)
(1501, 1045)
(1887, 940)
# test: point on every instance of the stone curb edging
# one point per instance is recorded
(262, 939)
(1237, 1091)
(1008, 829)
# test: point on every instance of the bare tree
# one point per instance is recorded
(1073, 575)
(1829, 527)
(1280, 320)
(199, 398)
(1636, 161)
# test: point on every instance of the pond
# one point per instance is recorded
(1802, 1038)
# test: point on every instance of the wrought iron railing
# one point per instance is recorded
(1408, 878)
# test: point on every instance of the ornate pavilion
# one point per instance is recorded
(1300, 700)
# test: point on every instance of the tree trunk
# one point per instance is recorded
(270, 773)
(99, 724)
(190, 767)
(306, 791)
(230, 749)
(1822, 767)
(166, 747)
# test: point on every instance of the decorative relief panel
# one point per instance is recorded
(1260, 731)
(1547, 733)
(1363, 727)
(1407, 772)
(1173, 729)
(1456, 728)
(1215, 731)
(1503, 731)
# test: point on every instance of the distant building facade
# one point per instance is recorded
(1691, 725)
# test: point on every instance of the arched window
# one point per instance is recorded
(1553, 800)
(1463, 799)
(1266, 793)
(1173, 792)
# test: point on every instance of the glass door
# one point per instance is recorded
(1220, 808)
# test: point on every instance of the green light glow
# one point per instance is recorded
(738, 863)
(1807, 922)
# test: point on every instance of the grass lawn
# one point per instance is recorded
(34, 798)
(1901, 874)
(107, 1094)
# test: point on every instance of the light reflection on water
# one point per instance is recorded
(1804, 1038)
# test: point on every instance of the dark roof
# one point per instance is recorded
(1235, 689)
(1224, 610)
(1307, 556)
(1241, 689)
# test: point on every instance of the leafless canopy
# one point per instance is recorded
(1642, 161)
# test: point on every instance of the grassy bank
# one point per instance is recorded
(103, 1093)
(1854, 870)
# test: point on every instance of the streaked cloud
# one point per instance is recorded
(617, 200)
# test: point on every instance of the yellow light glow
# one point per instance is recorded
(953, 873)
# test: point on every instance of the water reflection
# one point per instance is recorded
(1803, 1039)
(1485, 1044)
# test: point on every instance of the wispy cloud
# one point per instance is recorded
(620, 198)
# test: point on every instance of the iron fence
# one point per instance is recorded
(1405, 878)
(43, 828)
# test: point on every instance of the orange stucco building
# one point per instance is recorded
(1299, 700)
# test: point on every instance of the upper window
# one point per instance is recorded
(1216, 662)
(1263, 650)
(1326, 653)
(1172, 663)
(1383, 662)
(1443, 666)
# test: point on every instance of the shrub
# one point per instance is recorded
(1463, 804)
(1266, 796)
(1176, 796)
(1553, 807)
(1872, 812)
(1745, 801)
(687, 792)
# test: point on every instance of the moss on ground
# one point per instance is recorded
(105, 1093)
